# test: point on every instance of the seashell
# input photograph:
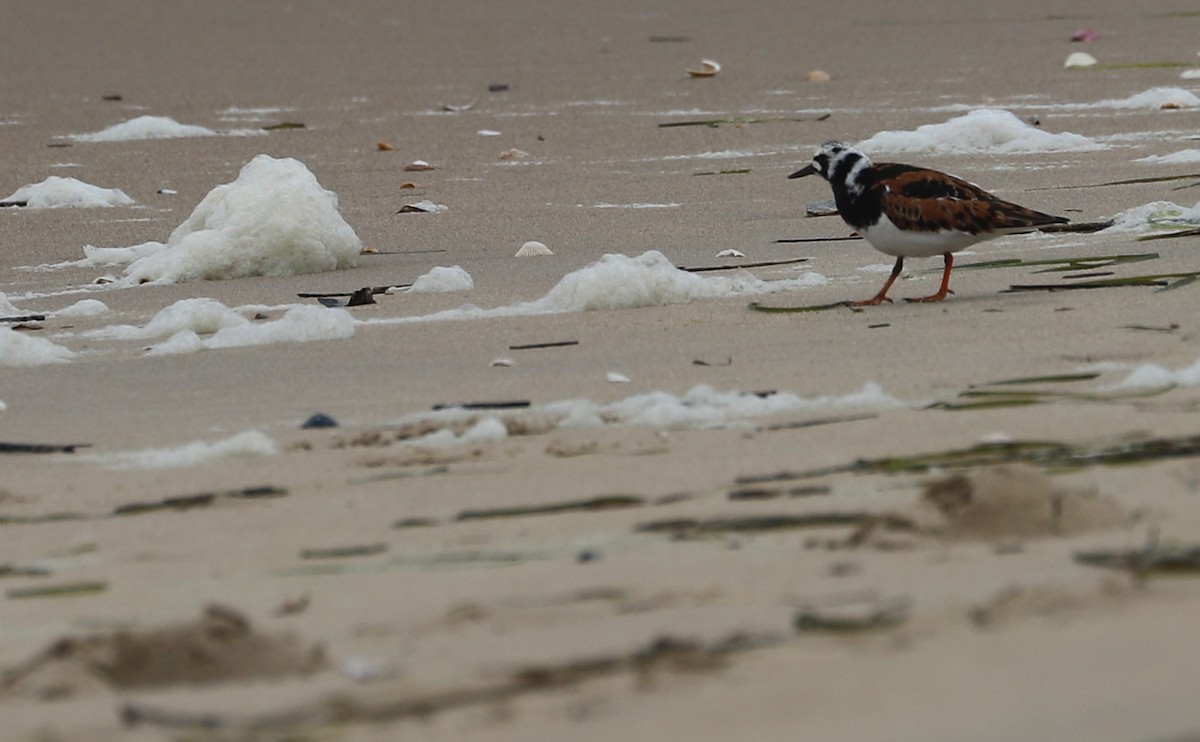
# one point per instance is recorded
(612, 377)
(417, 166)
(368, 250)
(1079, 59)
(168, 191)
(423, 207)
(503, 363)
(384, 147)
(731, 253)
(708, 68)
(513, 154)
(1170, 106)
(459, 108)
(1085, 34)
(817, 76)
(488, 133)
(406, 185)
(533, 249)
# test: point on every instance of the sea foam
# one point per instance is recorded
(56, 192)
(618, 281)
(146, 127)
(275, 219)
(191, 325)
(984, 130)
(18, 349)
(700, 407)
(247, 444)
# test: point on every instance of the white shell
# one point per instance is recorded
(488, 133)
(533, 249)
(817, 76)
(503, 363)
(731, 253)
(426, 206)
(613, 377)
(708, 68)
(1079, 59)
(417, 166)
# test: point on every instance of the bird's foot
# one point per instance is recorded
(878, 299)
(931, 298)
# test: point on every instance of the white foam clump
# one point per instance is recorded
(1154, 215)
(487, 429)
(1193, 74)
(199, 315)
(6, 307)
(617, 281)
(442, 279)
(1182, 157)
(146, 127)
(1154, 98)
(1151, 375)
(17, 349)
(191, 325)
(83, 308)
(275, 219)
(56, 192)
(705, 407)
(246, 444)
(982, 130)
(700, 407)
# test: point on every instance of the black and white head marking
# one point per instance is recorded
(838, 162)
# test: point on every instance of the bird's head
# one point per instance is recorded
(827, 159)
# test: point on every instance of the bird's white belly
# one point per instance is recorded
(887, 238)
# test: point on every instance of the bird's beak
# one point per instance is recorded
(806, 170)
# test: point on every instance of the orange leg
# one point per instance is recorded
(881, 297)
(945, 289)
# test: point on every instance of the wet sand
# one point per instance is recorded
(671, 606)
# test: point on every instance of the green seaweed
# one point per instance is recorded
(1127, 181)
(1170, 235)
(343, 552)
(1049, 454)
(1048, 379)
(1136, 66)
(1165, 282)
(607, 502)
(1150, 561)
(61, 590)
(688, 528)
(758, 307)
(741, 120)
(1063, 265)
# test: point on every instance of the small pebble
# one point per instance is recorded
(319, 420)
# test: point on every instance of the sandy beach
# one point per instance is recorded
(626, 490)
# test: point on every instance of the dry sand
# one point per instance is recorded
(674, 611)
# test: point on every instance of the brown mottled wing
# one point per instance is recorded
(929, 201)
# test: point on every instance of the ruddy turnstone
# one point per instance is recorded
(913, 212)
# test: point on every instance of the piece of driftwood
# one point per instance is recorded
(8, 447)
(515, 404)
(551, 344)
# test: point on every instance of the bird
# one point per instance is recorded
(914, 212)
